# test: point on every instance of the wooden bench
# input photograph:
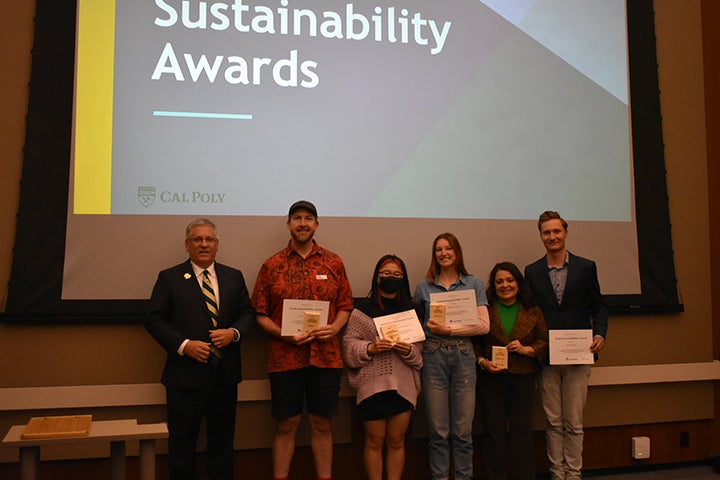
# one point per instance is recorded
(117, 432)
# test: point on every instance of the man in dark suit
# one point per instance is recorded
(567, 290)
(199, 312)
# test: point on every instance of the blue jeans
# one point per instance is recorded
(448, 384)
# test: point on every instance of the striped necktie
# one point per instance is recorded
(212, 306)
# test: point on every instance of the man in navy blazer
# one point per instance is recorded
(203, 368)
(567, 290)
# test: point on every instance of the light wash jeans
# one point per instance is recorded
(563, 390)
(448, 384)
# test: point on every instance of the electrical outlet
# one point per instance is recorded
(640, 448)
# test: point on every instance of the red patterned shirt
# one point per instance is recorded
(319, 276)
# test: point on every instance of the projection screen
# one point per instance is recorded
(399, 120)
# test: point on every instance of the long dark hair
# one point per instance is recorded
(375, 306)
(524, 295)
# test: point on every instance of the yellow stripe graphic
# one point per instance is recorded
(94, 106)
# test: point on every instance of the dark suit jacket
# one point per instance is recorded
(178, 312)
(582, 306)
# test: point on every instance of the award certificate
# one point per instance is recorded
(299, 316)
(570, 347)
(402, 326)
(460, 306)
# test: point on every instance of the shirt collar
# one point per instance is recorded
(565, 263)
(460, 281)
(198, 271)
(315, 250)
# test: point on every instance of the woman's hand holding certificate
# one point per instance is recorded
(402, 348)
(380, 345)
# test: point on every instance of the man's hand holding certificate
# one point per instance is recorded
(400, 327)
(303, 316)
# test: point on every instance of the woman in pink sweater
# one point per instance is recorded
(386, 375)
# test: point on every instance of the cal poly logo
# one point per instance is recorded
(146, 196)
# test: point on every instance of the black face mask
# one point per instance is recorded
(391, 284)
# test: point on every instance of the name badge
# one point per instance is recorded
(321, 277)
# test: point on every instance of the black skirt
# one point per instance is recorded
(382, 405)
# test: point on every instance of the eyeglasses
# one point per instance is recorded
(200, 240)
(388, 273)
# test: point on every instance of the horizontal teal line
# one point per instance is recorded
(230, 116)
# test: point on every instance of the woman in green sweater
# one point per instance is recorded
(506, 391)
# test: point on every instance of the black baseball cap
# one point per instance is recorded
(303, 205)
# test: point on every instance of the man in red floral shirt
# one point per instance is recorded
(305, 367)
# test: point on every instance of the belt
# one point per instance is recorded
(442, 342)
